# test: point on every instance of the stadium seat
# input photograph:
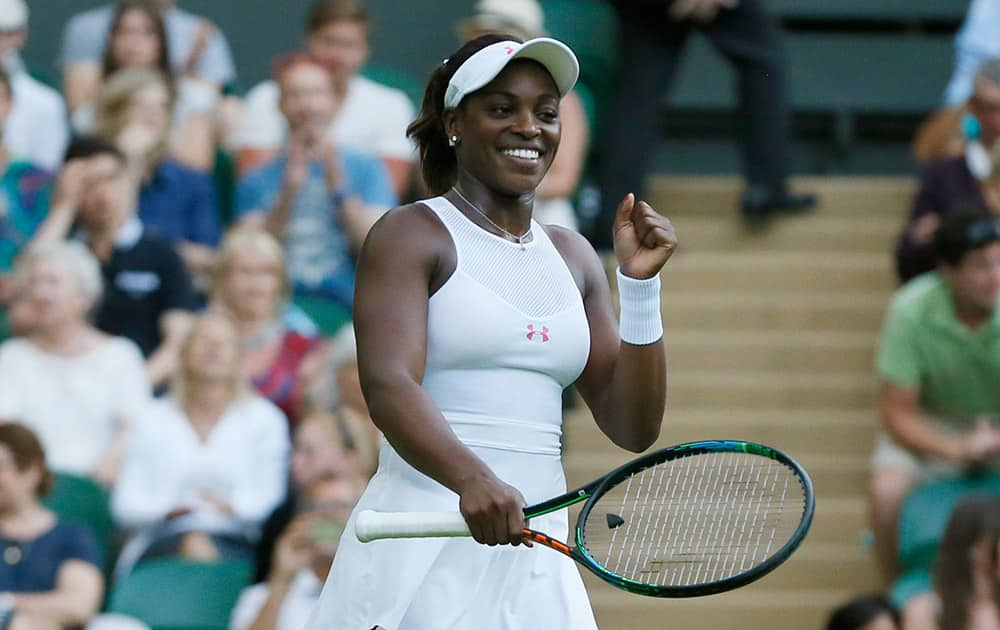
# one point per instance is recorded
(398, 79)
(922, 522)
(80, 500)
(174, 594)
(590, 28)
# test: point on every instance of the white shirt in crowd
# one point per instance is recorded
(975, 42)
(372, 119)
(74, 404)
(244, 461)
(295, 609)
(36, 130)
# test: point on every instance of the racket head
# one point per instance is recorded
(705, 489)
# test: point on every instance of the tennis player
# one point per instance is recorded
(471, 318)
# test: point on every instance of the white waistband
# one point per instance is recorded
(507, 434)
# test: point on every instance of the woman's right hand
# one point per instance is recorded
(493, 510)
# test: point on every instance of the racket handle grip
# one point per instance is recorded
(371, 525)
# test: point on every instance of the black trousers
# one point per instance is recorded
(651, 46)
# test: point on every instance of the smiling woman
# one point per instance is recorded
(471, 318)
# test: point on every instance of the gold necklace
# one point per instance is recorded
(510, 236)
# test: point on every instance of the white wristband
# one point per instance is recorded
(640, 323)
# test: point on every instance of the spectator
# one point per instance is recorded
(148, 291)
(50, 577)
(302, 559)
(284, 365)
(76, 387)
(138, 41)
(197, 49)
(939, 360)
(36, 129)
(325, 444)
(24, 196)
(205, 465)
(963, 182)
(319, 199)
(975, 43)
(966, 572)
(176, 202)
(553, 197)
(653, 34)
(868, 612)
(371, 117)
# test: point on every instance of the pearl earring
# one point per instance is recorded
(453, 141)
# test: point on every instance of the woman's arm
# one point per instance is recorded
(624, 384)
(75, 599)
(407, 252)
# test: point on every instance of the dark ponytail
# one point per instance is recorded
(438, 165)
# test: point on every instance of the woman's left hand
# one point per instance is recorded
(644, 238)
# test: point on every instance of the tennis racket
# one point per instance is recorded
(689, 520)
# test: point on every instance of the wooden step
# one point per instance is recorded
(678, 196)
(768, 271)
(807, 351)
(767, 390)
(830, 234)
(742, 609)
(778, 310)
(847, 432)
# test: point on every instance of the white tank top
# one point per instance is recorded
(505, 334)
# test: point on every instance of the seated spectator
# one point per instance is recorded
(966, 573)
(176, 202)
(325, 444)
(50, 577)
(197, 48)
(284, 365)
(938, 360)
(205, 465)
(24, 196)
(138, 41)
(317, 198)
(147, 290)
(76, 387)
(525, 20)
(36, 129)
(371, 117)
(963, 182)
(302, 559)
(975, 42)
(868, 612)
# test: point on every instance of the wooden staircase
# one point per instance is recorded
(770, 337)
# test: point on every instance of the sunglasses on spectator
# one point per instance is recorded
(982, 231)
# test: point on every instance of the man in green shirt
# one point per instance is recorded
(939, 365)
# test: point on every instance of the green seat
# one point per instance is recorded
(80, 500)
(175, 594)
(394, 78)
(922, 522)
(590, 28)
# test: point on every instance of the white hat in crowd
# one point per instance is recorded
(523, 18)
(13, 15)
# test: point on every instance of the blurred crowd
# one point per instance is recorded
(935, 487)
(176, 283)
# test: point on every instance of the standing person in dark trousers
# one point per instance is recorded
(652, 37)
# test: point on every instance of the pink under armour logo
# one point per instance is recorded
(509, 49)
(543, 334)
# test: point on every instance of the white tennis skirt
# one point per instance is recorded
(454, 583)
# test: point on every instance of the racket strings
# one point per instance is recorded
(696, 519)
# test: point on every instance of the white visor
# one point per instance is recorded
(485, 65)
